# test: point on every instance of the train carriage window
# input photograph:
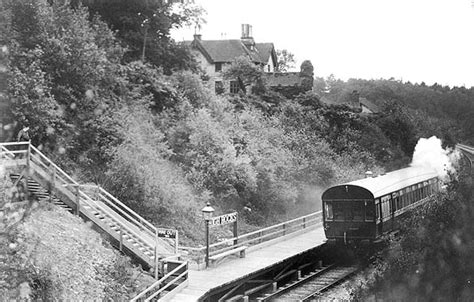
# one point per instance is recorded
(396, 200)
(369, 211)
(338, 210)
(328, 209)
(358, 211)
(385, 206)
(377, 211)
(406, 197)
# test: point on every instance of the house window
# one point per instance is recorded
(234, 87)
(219, 87)
(218, 66)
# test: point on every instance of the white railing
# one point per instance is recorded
(122, 215)
(258, 236)
(177, 276)
(106, 202)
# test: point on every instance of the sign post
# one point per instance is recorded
(226, 219)
(171, 234)
(223, 219)
(207, 212)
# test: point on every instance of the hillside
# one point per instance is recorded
(52, 254)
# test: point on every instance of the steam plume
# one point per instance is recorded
(430, 153)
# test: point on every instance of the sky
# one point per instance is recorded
(429, 41)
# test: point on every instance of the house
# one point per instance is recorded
(354, 101)
(214, 56)
(368, 107)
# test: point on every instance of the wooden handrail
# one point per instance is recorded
(72, 181)
(159, 282)
(172, 282)
(14, 143)
(141, 219)
(306, 221)
(58, 169)
(105, 198)
(86, 198)
(126, 215)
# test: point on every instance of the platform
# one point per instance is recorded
(232, 270)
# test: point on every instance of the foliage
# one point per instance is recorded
(144, 29)
(142, 175)
(432, 259)
(286, 60)
(245, 72)
(63, 78)
(307, 75)
(445, 111)
(34, 266)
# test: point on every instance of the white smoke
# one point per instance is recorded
(430, 153)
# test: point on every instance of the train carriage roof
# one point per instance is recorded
(394, 181)
(389, 182)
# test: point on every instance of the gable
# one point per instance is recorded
(226, 51)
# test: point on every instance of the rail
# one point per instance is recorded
(465, 147)
(156, 289)
(257, 237)
(469, 150)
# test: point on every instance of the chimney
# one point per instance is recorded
(247, 38)
(197, 37)
(355, 99)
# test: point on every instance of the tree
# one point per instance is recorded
(144, 28)
(286, 60)
(307, 75)
(245, 72)
(65, 78)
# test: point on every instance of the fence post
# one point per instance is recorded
(28, 152)
(78, 201)
(176, 243)
(121, 237)
(156, 253)
(52, 184)
(304, 222)
(28, 172)
(235, 233)
(284, 229)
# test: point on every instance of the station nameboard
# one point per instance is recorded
(223, 219)
(167, 233)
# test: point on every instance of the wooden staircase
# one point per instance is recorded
(45, 181)
(40, 193)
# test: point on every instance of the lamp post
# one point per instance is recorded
(207, 212)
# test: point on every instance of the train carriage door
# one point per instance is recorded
(378, 216)
(394, 202)
(392, 212)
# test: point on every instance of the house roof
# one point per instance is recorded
(371, 106)
(228, 50)
(283, 79)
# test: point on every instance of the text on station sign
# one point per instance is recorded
(223, 219)
(167, 233)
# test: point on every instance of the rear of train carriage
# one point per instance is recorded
(353, 213)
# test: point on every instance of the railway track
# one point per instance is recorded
(312, 285)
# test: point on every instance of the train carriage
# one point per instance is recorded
(365, 209)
